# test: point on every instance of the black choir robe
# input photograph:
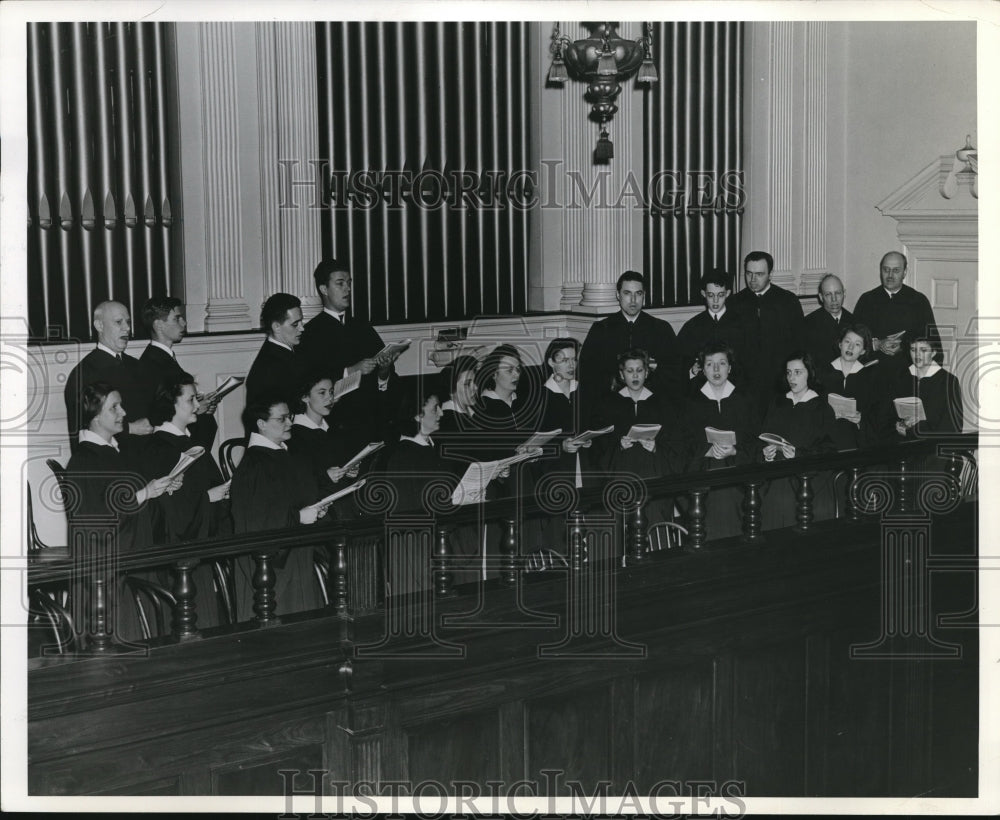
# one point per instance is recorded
(908, 310)
(268, 490)
(736, 412)
(158, 366)
(867, 389)
(276, 373)
(941, 394)
(321, 450)
(126, 376)
(701, 330)
(820, 332)
(774, 327)
(809, 426)
(613, 335)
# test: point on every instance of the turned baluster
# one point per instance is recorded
(752, 520)
(637, 534)
(955, 463)
(508, 548)
(697, 529)
(98, 638)
(853, 511)
(576, 539)
(185, 612)
(903, 503)
(264, 600)
(338, 571)
(443, 577)
(804, 503)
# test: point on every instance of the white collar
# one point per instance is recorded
(419, 439)
(257, 440)
(450, 405)
(764, 291)
(727, 390)
(718, 315)
(108, 350)
(631, 321)
(553, 385)
(272, 340)
(163, 347)
(809, 394)
(341, 317)
(302, 420)
(644, 394)
(835, 317)
(492, 394)
(933, 368)
(173, 429)
(891, 293)
(93, 438)
(838, 364)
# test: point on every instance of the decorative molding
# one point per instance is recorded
(944, 293)
(814, 173)
(783, 127)
(572, 295)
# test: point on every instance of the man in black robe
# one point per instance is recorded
(894, 308)
(166, 324)
(821, 328)
(715, 325)
(336, 343)
(278, 370)
(109, 363)
(773, 317)
(631, 327)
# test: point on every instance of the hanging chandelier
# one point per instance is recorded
(604, 60)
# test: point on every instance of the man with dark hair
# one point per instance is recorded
(109, 363)
(629, 328)
(278, 369)
(337, 344)
(895, 313)
(821, 328)
(773, 318)
(715, 325)
(164, 319)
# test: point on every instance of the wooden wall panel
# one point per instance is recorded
(259, 775)
(571, 733)
(462, 748)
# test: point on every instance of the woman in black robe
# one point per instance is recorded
(94, 471)
(805, 420)
(273, 489)
(200, 508)
(938, 390)
(846, 376)
(721, 405)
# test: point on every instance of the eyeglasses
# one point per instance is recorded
(567, 360)
(510, 368)
(282, 419)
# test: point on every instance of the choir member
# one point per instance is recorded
(200, 508)
(109, 363)
(846, 376)
(721, 405)
(458, 431)
(561, 407)
(278, 369)
(273, 489)
(166, 324)
(508, 401)
(805, 420)
(635, 404)
(97, 465)
(938, 389)
(821, 329)
(715, 325)
(314, 443)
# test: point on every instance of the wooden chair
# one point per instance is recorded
(58, 619)
(161, 601)
(665, 535)
(230, 453)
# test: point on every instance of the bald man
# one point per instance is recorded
(894, 308)
(821, 328)
(109, 363)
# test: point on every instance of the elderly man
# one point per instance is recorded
(895, 313)
(278, 371)
(166, 324)
(715, 324)
(109, 363)
(629, 328)
(774, 322)
(821, 328)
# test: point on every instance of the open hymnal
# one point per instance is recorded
(910, 409)
(323, 503)
(774, 438)
(843, 407)
(643, 432)
(539, 439)
(723, 437)
(224, 389)
(472, 488)
(346, 385)
(895, 337)
(590, 435)
(392, 349)
(188, 457)
(363, 454)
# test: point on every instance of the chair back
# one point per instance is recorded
(161, 602)
(665, 535)
(230, 453)
(44, 604)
